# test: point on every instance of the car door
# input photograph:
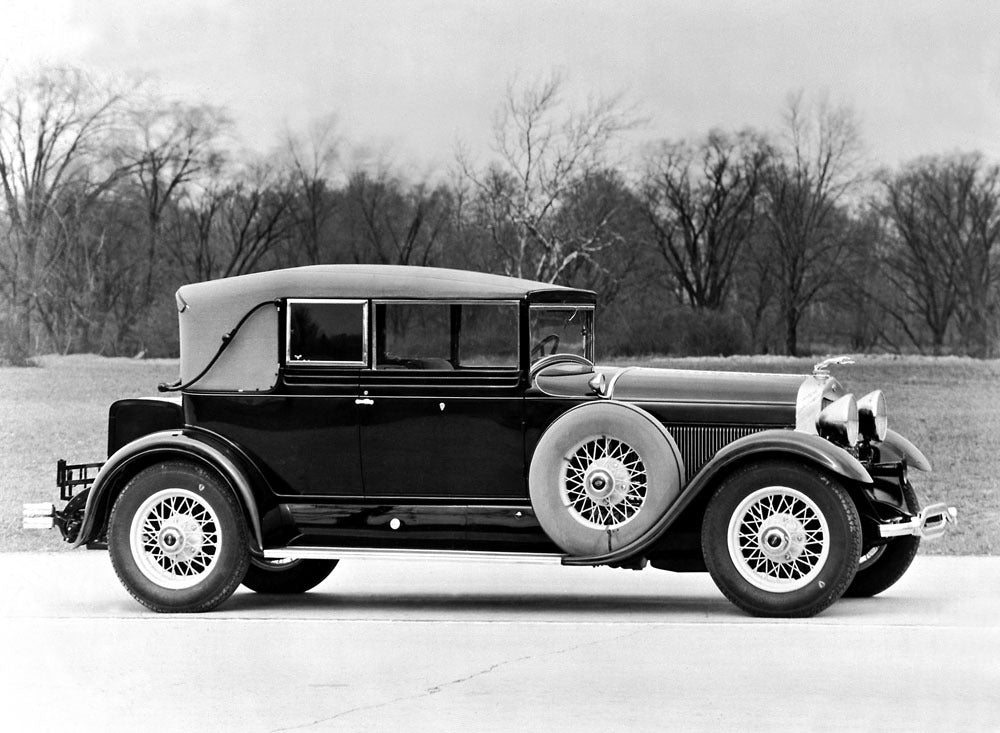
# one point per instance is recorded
(313, 428)
(442, 408)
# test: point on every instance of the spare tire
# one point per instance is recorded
(602, 475)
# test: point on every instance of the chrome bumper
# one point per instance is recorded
(38, 516)
(930, 522)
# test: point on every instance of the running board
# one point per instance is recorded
(378, 553)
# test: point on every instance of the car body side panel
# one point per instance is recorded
(442, 437)
(306, 441)
(417, 526)
(133, 418)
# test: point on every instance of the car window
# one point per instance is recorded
(561, 330)
(488, 336)
(446, 336)
(327, 332)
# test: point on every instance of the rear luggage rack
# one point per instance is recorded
(69, 476)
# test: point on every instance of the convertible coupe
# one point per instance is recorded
(347, 411)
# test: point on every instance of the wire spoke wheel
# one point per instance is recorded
(604, 483)
(601, 476)
(175, 538)
(779, 539)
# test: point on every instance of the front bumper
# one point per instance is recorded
(930, 522)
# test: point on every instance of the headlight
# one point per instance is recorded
(839, 420)
(872, 415)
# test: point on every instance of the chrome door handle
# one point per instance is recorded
(364, 401)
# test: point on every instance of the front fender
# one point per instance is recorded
(194, 445)
(810, 448)
(895, 448)
(768, 443)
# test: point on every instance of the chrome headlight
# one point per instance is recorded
(839, 420)
(872, 416)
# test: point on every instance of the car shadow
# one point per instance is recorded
(507, 604)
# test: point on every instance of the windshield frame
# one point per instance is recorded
(590, 311)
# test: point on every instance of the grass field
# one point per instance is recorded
(948, 407)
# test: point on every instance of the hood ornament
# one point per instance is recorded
(823, 368)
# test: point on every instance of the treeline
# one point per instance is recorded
(778, 241)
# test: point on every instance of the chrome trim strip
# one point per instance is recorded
(378, 553)
(614, 381)
(930, 522)
(562, 306)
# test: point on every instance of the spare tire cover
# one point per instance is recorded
(602, 475)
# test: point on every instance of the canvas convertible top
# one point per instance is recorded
(208, 311)
(373, 281)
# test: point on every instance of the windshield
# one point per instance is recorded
(561, 329)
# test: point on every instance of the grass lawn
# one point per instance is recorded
(949, 407)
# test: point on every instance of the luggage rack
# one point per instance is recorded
(70, 476)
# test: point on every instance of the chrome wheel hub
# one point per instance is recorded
(778, 539)
(175, 538)
(782, 538)
(180, 537)
(603, 483)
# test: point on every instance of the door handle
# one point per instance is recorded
(364, 401)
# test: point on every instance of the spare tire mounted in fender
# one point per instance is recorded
(602, 475)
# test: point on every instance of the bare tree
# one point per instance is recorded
(542, 151)
(169, 147)
(311, 160)
(392, 222)
(52, 124)
(701, 201)
(817, 168)
(944, 223)
(231, 229)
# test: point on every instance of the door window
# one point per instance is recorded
(331, 332)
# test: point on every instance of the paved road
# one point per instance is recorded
(452, 646)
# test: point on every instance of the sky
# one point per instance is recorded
(416, 76)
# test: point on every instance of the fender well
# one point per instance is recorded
(200, 447)
(810, 449)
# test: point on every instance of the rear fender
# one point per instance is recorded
(810, 449)
(197, 446)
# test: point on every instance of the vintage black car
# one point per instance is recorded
(342, 411)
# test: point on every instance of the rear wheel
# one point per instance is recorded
(177, 538)
(286, 576)
(883, 565)
(781, 539)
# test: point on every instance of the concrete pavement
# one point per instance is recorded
(470, 646)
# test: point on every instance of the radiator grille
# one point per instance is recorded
(699, 443)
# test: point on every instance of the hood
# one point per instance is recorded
(640, 384)
(686, 395)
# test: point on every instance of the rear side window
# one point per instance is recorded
(327, 332)
(446, 336)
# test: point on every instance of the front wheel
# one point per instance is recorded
(177, 539)
(781, 539)
(286, 576)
